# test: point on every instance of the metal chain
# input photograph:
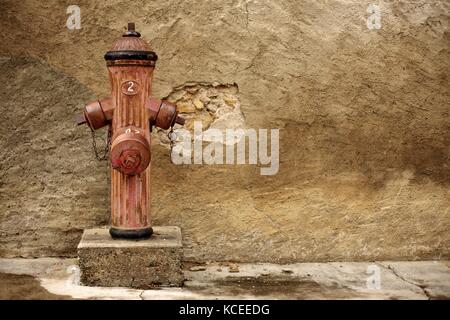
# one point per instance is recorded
(172, 135)
(105, 154)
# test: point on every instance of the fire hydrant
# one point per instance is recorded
(131, 113)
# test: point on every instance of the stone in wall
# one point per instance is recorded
(215, 105)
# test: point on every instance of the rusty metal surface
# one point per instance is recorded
(80, 119)
(166, 116)
(107, 107)
(94, 115)
(131, 112)
(130, 152)
(131, 31)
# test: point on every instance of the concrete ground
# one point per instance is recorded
(53, 278)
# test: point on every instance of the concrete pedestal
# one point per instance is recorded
(139, 264)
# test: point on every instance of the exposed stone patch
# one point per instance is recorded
(216, 105)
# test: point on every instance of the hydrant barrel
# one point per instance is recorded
(130, 65)
(130, 112)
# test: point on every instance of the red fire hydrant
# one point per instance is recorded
(131, 113)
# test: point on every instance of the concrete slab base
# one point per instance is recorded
(142, 264)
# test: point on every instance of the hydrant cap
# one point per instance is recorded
(131, 47)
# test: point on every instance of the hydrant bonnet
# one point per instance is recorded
(131, 47)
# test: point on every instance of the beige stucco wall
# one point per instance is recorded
(363, 118)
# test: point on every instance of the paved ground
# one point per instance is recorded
(52, 278)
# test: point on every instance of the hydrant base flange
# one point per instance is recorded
(131, 234)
